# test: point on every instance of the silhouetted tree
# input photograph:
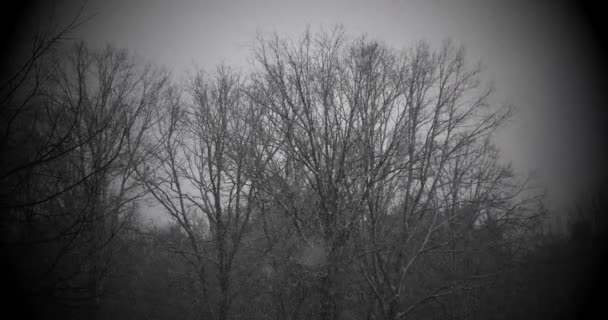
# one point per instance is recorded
(69, 150)
(378, 156)
(197, 172)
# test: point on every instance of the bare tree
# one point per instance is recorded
(392, 149)
(316, 126)
(71, 150)
(197, 172)
(20, 90)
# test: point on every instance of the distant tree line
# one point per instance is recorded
(339, 179)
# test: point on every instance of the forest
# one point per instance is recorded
(336, 178)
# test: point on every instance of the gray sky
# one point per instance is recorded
(537, 56)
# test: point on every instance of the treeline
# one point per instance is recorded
(339, 179)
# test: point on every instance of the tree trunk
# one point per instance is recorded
(329, 310)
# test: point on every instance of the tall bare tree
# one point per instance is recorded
(71, 148)
(197, 172)
(392, 148)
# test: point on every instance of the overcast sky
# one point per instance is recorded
(536, 55)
